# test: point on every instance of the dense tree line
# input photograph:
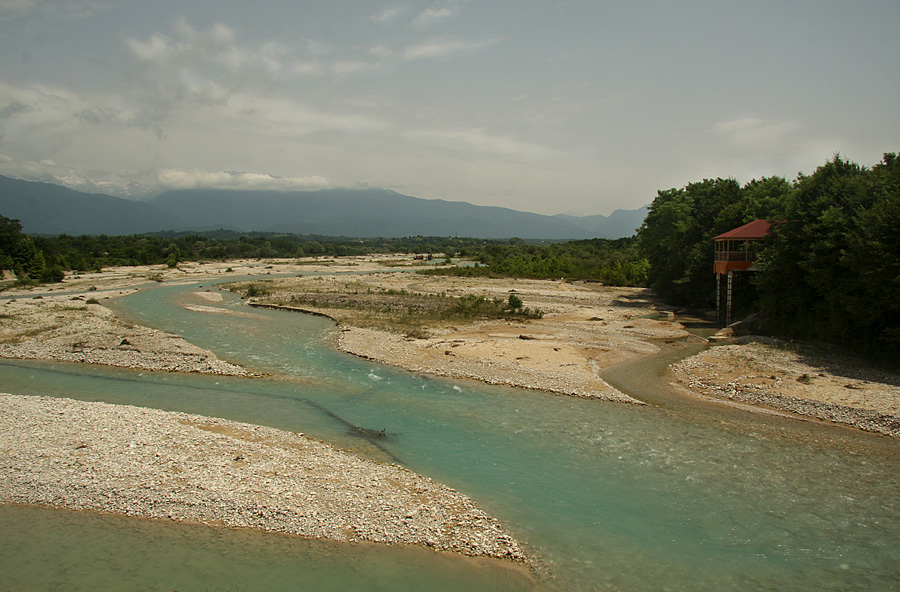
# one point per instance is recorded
(613, 262)
(44, 259)
(831, 270)
(41, 258)
(20, 254)
(677, 234)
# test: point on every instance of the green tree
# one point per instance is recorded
(10, 235)
(28, 260)
(676, 237)
(833, 270)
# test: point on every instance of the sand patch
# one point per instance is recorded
(806, 380)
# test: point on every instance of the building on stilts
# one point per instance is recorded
(736, 251)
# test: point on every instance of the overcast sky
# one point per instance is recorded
(546, 106)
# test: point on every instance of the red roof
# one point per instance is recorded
(756, 229)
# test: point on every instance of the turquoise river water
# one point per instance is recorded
(607, 496)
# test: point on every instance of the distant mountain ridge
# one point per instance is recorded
(611, 226)
(368, 213)
(45, 208)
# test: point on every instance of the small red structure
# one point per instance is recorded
(737, 250)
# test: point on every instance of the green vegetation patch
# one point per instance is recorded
(612, 262)
(829, 272)
(395, 310)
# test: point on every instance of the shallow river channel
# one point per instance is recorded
(669, 496)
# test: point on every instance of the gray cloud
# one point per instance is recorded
(598, 104)
(14, 106)
(184, 179)
(98, 115)
(433, 15)
(478, 143)
(387, 14)
(70, 9)
(441, 47)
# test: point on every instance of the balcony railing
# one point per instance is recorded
(736, 255)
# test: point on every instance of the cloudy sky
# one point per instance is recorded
(548, 106)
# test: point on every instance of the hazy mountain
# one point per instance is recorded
(362, 213)
(618, 224)
(50, 209)
(44, 208)
(131, 190)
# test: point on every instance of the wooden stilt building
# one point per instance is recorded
(736, 250)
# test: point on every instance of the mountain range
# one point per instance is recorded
(49, 209)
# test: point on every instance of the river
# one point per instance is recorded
(670, 496)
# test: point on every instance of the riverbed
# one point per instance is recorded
(609, 496)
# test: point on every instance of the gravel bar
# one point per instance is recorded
(156, 464)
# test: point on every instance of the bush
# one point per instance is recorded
(256, 290)
(52, 275)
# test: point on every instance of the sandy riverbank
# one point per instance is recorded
(142, 462)
(68, 322)
(174, 466)
(157, 464)
(77, 328)
(585, 327)
(800, 379)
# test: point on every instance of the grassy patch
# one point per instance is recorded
(402, 311)
(33, 332)
(256, 290)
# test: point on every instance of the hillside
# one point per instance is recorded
(619, 224)
(44, 208)
(51, 209)
(367, 213)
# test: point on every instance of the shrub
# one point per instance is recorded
(255, 290)
(52, 275)
(515, 303)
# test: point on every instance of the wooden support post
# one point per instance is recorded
(728, 299)
(718, 298)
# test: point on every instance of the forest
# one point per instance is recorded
(614, 262)
(831, 270)
(37, 259)
(45, 259)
